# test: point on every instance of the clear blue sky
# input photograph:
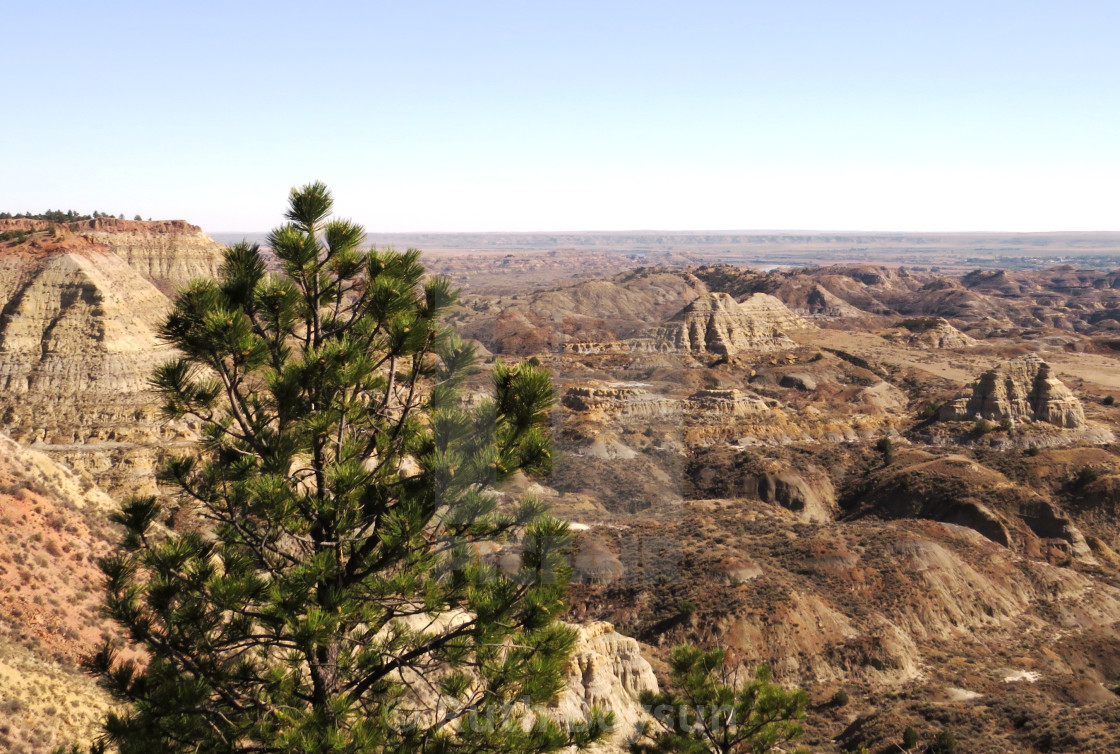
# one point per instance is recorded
(533, 115)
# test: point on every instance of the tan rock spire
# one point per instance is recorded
(1023, 388)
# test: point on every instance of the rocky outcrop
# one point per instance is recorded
(799, 381)
(717, 324)
(605, 400)
(762, 307)
(882, 396)
(592, 349)
(606, 669)
(821, 302)
(595, 563)
(935, 332)
(809, 495)
(730, 402)
(1017, 390)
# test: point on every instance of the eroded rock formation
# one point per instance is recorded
(606, 669)
(935, 332)
(613, 399)
(717, 324)
(1023, 388)
(730, 402)
(79, 343)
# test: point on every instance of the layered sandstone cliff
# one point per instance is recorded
(170, 254)
(78, 345)
(77, 319)
(1023, 388)
(730, 402)
(618, 399)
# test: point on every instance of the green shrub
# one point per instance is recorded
(840, 698)
(909, 738)
(929, 411)
(762, 716)
(1108, 400)
(1086, 476)
(943, 743)
(982, 427)
(886, 448)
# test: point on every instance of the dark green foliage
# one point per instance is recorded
(710, 710)
(840, 699)
(51, 215)
(1086, 475)
(909, 738)
(331, 593)
(943, 743)
(886, 447)
(687, 608)
(929, 412)
(1108, 400)
(1033, 451)
(982, 427)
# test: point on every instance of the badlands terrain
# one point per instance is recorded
(899, 487)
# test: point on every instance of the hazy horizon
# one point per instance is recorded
(700, 231)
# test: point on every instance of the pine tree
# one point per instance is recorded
(320, 589)
(711, 711)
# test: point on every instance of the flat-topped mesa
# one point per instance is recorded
(717, 324)
(167, 253)
(170, 253)
(1023, 388)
